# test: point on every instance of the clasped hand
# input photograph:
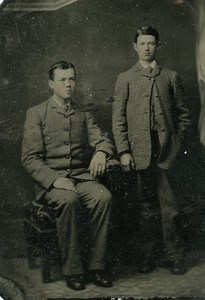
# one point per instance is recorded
(127, 162)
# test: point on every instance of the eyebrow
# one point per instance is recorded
(72, 77)
(142, 42)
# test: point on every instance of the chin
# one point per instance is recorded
(148, 58)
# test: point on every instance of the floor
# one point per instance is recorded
(127, 282)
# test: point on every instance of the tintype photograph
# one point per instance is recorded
(102, 149)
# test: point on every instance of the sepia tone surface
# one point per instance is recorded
(97, 37)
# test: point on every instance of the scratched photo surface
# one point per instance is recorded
(97, 37)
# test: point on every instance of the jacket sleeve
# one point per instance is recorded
(119, 118)
(181, 111)
(33, 151)
(96, 138)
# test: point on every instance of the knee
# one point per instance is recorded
(104, 198)
(70, 200)
(67, 204)
(66, 198)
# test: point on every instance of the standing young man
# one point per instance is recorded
(150, 117)
(53, 152)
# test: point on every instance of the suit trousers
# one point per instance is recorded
(160, 210)
(88, 208)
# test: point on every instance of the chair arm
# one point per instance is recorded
(113, 164)
(113, 176)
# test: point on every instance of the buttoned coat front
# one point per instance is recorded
(132, 113)
(55, 140)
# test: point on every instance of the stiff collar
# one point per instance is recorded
(64, 106)
(62, 109)
(156, 70)
(152, 65)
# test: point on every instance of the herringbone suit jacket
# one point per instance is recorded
(132, 113)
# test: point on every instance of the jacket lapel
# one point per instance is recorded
(156, 70)
(72, 108)
(141, 70)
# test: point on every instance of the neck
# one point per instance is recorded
(61, 101)
(146, 63)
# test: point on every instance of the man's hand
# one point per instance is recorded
(127, 162)
(64, 184)
(97, 164)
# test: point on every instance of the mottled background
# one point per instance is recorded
(97, 37)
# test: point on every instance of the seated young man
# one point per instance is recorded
(53, 152)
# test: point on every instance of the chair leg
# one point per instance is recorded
(46, 258)
(40, 243)
(46, 268)
(30, 245)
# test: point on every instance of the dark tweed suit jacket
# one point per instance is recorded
(54, 143)
(131, 114)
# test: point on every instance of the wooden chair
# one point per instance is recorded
(41, 239)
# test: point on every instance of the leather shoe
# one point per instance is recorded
(100, 278)
(178, 267)
(75, 282)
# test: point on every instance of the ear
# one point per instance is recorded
(50, 83)
(135, 47)
(159, 45)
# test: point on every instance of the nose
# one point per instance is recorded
(146, 47)
(67, 82)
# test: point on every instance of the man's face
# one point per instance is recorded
(146, 48)
(63, 85)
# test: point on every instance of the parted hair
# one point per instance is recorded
(61, 65)
(146, 30)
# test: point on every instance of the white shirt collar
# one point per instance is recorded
(145, 65)
(56, 100)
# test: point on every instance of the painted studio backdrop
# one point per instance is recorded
(96, 36)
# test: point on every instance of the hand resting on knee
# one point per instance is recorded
(64, 184)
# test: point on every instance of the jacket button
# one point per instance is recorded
(67, 156)
(69, 171)
(66, 129)
(66, 143)
(65, 116)
(156, 95)
(152, 79)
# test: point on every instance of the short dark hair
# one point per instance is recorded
(61, 65)
(147, 30)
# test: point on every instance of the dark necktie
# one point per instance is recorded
(67, 107)
(149, 69)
